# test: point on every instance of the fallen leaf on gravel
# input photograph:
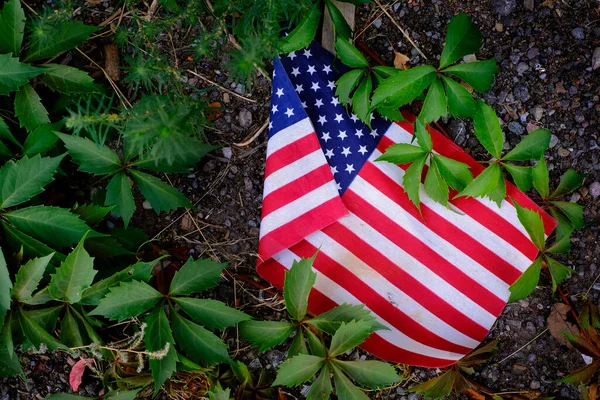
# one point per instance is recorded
(214, 111)
(557, 323)
(400, 61)
(76, 374)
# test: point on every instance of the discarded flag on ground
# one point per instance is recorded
(438, 280)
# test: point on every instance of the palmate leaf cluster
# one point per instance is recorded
(309, 355)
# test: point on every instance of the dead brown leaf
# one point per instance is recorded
(400, 61)
(111, 62)
(557, 323)
(214, 111)
(468, 87)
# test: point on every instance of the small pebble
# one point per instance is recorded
(534, 385)
(227, 152)
(377, 23)
(596, 59)
(578, 33)
(595, 189)
(146, 205)
(516, 127)
(563, 152)
(499, 27)
(553, 141)
(537, 112)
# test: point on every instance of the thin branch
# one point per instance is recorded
(400, 28)
(220, 87)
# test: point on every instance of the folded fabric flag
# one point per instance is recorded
(438, 280)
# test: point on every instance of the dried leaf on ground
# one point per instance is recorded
(214, 111)
(76, 374)
(112, 61)
(400, 61)
(557, 323)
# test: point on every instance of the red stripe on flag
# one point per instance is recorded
(373, 300)
(292, 152)
(486, 217)
(300, 227)
(296, 189)
(443, 228)
(319, 303)
(423, 253)
(405, 282)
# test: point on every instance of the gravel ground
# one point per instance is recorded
(545, 57)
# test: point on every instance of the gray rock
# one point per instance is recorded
(458, 131)
(553, 141)
(227, 153)
(535, 385)
(504, 8)
(596, 58)
(377, 23)
(595, 189)
(521, 93)
(529, 5)
(146, 205)
(255, 365)
(537, 112)
(516, 127)
(522, 67)
(533, 53)
(578, 33)
(245, 118)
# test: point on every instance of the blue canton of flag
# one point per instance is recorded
(346, 141)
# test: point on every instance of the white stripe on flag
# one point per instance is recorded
(289, 135)
(293, 171)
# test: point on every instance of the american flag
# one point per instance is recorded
(438, 280)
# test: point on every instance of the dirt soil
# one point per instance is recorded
(544, 54)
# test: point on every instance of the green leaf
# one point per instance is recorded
(438, 387)
(74, 275)
(211, 313)
(344, 388)
(67, 396)
(5, 287)
(573, 211)
(177, 154)
(25, 178)
(402, 153)
(29, 276)
(158, 335)
(423, 137)
(498, 193)
(348, 336)
(303, 34)
(435, 186)
(411, 181)
(66, 35)
(321, 388)
(478, 74)
(455, 173)
(383, 72)
(105, 247)
(119, 194)
(121, 395)
(349, 54)
(462, 38)
(69, 80)
(316, 345)
(435, 105)
(12, 27)
(342, 29)
(41, 140)
(196, 276)
(391, 113)
(298, 283)
(140, 271)
(41, 297)
(46, 318)
(5, 133)
(330, 321)
(403, 87)
(532, 147)
(582, 375)
(298, 369)
(460, 101)
(360, 100)
(527, 282)
(563, 231)
(69, 331)
(540, 178)
(29, 108)
(483, 183)
(371, 374)
(91, 157)
(91, 213)
(5, 153)
(266, 334)
(161, 196)
(521, 176)
(558, 271)
(533, 224)
(55, 226)
(127, 300)
(14, 74)
(298, 345)
(9, 365)
(31, 247)
(570, 181)
(487, 129)
(347, 83)
(219, 394)
(37, 335)
(201, 345)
